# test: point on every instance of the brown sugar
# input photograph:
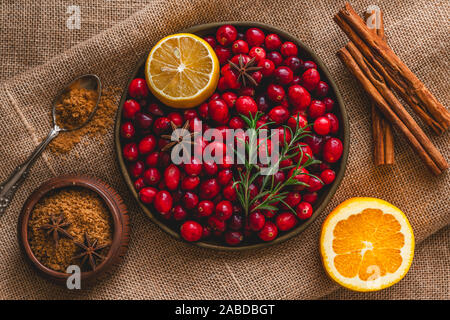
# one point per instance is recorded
(84, 210)
(75, 108)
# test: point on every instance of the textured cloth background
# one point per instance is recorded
(39, 54)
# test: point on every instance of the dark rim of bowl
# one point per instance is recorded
(115, 206)
(344, 134)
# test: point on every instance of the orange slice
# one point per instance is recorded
(367, 244)
(182, 70)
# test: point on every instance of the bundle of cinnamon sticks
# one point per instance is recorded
(378, 69)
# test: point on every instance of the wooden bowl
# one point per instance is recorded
(324, 198)
(120, 220)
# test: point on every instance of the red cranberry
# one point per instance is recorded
(269, 213)
(332, 150)
(322, 89)
(216, 224)
(256, 220)
(255, 37)
(139, 184)
(209, 189)
(176, 118)
(284, 135)
(275, 92)
(286, 221)
(130, 151)
(190, 200)
(328, 176)
(236, 123)
(286, 163)
(172, 177)
(130, 108)
(262, 103)
(163, 202)
(136, 169)
(229, 98)
(283, 75)
(304, 150)
(223, 54)
(225, 176)
(309, 65)
(279, 177)
(179, 213)
(205, 208)
(329, 103)
(268, 232)
(299, 97)
(257, 76)
(190, 114)
(272, 42)
(310, 197)
(222, 84)
(191, 231)
(316, 109)
(193, 168)
(203, 110)
(147, 144)
(147, 195)
(275, 57)
(211, 41)
(240, 46)
(236, 222)
(322, 126)
(297, 121)
(226, 35)
(293, 199)
(218, 111)
(246, 91)
(237, 58)
(304, 210)
(143, 121)
(246, 105)
(127, 130)
(233, 238)
(289, 49)
(316, 143)
(310, 79)
(231, 79)
(334, 123)
(267, 67)
(229, 193)
(224, 210)
(210, 167)
(253, 190)
(302, 176)
(297, 80)
(138, 88)
(279, 114)
(155, 110)
(294, 63)
(190, 183)
(161, 125)
(152, 176)
(314, 184)
(152, 159)
(258, 53)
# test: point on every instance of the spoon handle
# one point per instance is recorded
(9, 187)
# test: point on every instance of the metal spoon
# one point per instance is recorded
(10, 186)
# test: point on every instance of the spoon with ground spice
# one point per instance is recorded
(72, 110)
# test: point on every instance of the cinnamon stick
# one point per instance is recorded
(391, 108)
(381, 129)
(396, 73)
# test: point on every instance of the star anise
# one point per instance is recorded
(245, 69)
(185, 137)
(89, 251)
(57, 227)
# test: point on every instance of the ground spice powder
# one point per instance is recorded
(75, 107)
(85, 211)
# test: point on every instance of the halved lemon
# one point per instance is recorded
(182, 70)
(367, 244)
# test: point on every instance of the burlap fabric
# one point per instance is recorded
(39, 54)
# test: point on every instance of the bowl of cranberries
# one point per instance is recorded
(268, 79)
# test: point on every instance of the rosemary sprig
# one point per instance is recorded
(270, 193)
